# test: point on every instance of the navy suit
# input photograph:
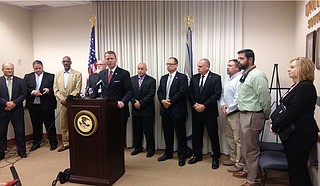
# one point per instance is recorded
(16, 115)
(143, 118)
(209, 96)
(174, 118)
(43, 112)
(119, 89)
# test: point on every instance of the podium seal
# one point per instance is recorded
(85, 123)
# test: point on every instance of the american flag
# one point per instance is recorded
(92, 62)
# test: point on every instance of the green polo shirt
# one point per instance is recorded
(254, 93)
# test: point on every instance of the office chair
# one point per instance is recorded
(272, 160)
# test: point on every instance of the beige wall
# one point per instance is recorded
(300, 45)
(60, 32)
(268, 29)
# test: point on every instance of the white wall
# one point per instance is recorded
(16, 44)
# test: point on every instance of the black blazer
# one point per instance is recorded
(48, 101)
(209, 96)
(18, 95)
(145, 95)
(300, 104)
(177, 95)
(92, 83)
(119, 89)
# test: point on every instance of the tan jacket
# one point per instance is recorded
(73, 86)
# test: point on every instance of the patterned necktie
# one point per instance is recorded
(9, 88)
(109, 76)
(139, 82)
(201, 84)
(168, 86)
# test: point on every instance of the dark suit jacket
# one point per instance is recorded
(48, 101)
(209, 96)
(119, 89)
(92, 83)
(18, 95)
(177, 96)
(300, 104)
(145, 95)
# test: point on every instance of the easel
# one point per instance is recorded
(277, 88)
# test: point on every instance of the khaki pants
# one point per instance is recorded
(233, 137)
(251, 125)
(64, 126)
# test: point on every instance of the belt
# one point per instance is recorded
(246, 111)
(233, 112)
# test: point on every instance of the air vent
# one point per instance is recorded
(33, 7)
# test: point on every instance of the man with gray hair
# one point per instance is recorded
(94, 78)
(13, 92)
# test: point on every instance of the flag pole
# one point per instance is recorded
(188, 70)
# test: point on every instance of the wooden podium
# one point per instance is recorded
(96, 141)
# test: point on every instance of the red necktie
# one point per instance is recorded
(109, 76)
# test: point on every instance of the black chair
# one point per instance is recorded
(272, 160)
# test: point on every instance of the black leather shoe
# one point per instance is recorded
(215, 164)
(194, 159)
(34, 147)
(165, 157)
(150, 154)
(53, 147)
(23, 155)
(1, 157)
(182, 162)
(135, 152)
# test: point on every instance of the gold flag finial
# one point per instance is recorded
(92, 20)
(188, 20)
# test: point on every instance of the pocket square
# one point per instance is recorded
(118, 81)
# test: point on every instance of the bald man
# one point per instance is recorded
(13, 92)
(144, 89)
(66, 82)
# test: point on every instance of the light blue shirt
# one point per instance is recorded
(254, 93)
(229, 94)
(38, 84)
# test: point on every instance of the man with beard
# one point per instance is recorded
(254, 103)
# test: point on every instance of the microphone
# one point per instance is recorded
(99, 82)
(15, 175)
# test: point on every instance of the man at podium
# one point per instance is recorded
(116, 85)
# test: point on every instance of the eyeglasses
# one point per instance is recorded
(170, 64)
(100, 64)
(65, 61)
